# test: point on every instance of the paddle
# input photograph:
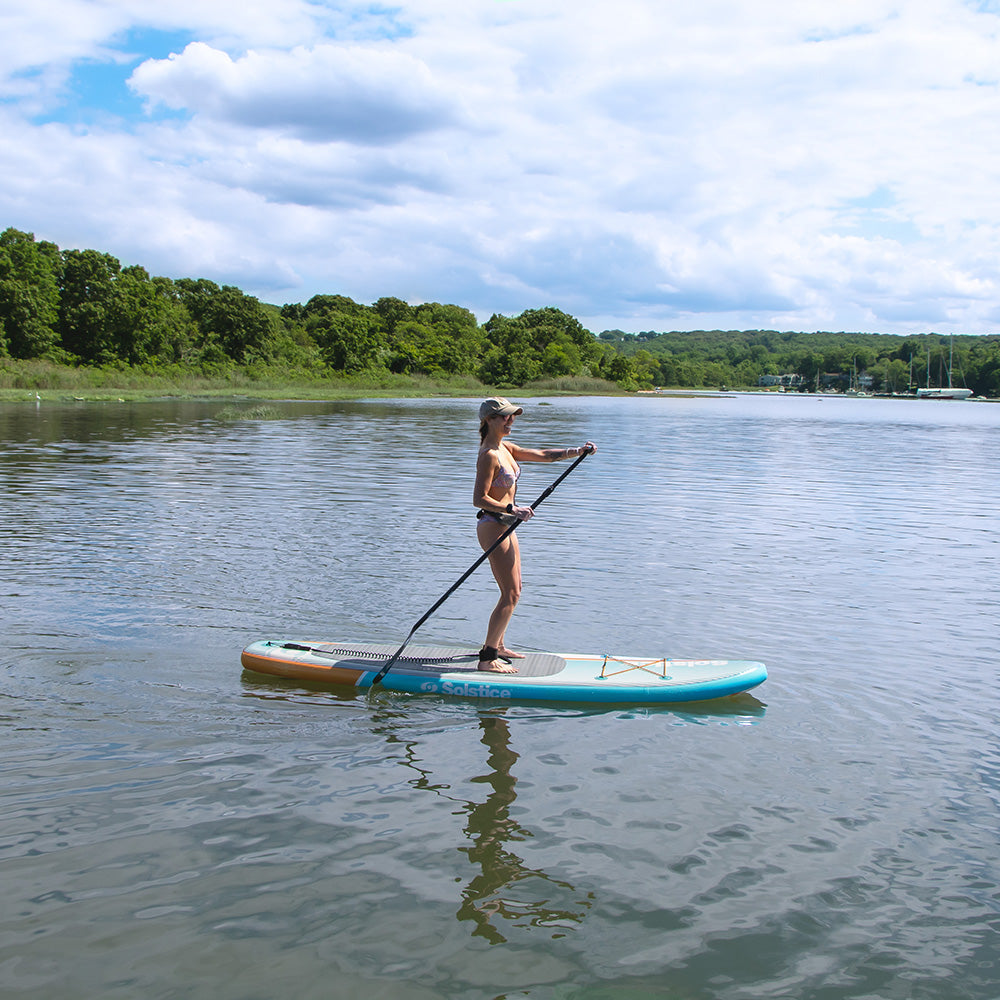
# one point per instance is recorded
(465, 576)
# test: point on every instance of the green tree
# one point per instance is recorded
(746, 373)
(176, 337)
(86, 300)
(237, 323)
(538, 341)
(350, 344)
(837, 358)
(560, 357)
(29, 295)
(457, 341)
(647, 371)
(809, 365)
(350, 336)
(408, 350)
(892, 375)
(668, 371)
(984, 365)
(511, 358)
(243, 326)
(392, 312)
(550, 325)
(620, 369)
(132, 316)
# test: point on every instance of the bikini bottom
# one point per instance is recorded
(505, 519)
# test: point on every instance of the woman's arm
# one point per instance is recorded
(547, 454)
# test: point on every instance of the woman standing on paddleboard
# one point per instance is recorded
(497, 472)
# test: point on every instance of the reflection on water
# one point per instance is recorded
(502, 888)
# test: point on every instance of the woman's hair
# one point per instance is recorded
(482, 432)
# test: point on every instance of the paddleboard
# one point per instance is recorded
(540, 676)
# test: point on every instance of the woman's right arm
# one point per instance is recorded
(486, 467)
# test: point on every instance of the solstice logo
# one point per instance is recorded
(466, 690)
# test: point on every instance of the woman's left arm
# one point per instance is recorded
(548, 454)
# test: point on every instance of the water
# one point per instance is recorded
(173, 828)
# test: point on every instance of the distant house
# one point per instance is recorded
(788, 381)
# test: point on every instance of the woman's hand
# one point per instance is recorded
(524, 513)
(589, 448)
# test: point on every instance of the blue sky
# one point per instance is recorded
(95, 88)
(641, 165)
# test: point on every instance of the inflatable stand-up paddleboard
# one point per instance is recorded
(540, 676)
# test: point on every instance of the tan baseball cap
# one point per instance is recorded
(498, 406)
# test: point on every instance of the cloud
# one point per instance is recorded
(323, 94)
(323, 177)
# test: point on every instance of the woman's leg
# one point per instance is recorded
(505, 562)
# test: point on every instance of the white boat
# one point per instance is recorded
(943, 392)
(948, 392)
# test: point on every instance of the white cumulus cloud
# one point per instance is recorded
(325, 93)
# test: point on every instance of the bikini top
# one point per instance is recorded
(505, 479)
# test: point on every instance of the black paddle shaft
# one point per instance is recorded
(465, 576)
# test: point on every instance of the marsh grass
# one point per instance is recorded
(26, 379)
(23, 380)
(261, 411)
(572, 385)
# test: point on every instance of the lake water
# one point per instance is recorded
(172, 827)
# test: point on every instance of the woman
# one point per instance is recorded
(497, 471)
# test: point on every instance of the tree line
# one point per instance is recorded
(81, 307)
(886, 363)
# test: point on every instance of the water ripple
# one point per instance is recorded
(170, 827)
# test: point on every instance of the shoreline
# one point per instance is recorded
(299, 393)
(28, 381)
(291, 394)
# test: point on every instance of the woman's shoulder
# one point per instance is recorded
(504, 447)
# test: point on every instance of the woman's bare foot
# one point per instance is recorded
(497, 667)
(489, 659)
(509, 654)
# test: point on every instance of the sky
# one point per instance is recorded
(640, 164)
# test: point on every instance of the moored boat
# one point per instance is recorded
(945, 392)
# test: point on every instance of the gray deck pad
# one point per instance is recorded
(434, 660)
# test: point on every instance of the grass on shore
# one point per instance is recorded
(38, 379)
